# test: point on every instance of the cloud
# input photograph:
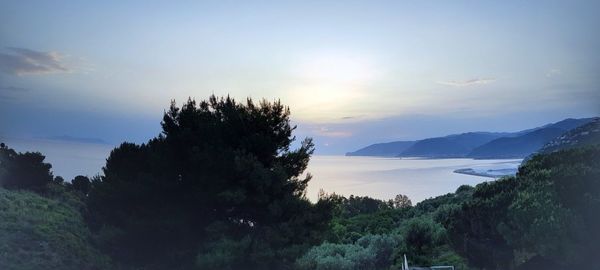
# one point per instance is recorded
(21, 61)
(326, 132)
(350, 117)
(553, 73)
(13, 89)
(467, 82)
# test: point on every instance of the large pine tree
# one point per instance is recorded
(219, 188)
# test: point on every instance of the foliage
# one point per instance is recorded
(41, 233)
(554, 214)
(416, 229)
(356, 216)
(474, 227)
(548, 211)
(368, 252)
(421, 237)
(221, 172)
(81, 184)
(357, 205)
(402, 201)
(24, 170)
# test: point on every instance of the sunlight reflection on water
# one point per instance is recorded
(384, 178)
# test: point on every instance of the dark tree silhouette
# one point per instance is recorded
(402, 201)
(24, 170)
(81, 183)
(220, 178)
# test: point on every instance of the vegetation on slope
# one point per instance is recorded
(516, 147)
(43, 233)
(588, 134)
(545, 216)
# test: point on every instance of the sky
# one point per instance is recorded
(352, 72)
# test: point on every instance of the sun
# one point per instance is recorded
(329, 84)
(336, 68)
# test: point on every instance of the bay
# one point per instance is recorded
(384, 178)
(381, 178)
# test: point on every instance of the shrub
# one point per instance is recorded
(42, 233)
(368, 252)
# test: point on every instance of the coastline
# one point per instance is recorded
(488, 173)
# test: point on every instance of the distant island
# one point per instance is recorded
(477, 145)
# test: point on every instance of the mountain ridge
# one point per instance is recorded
(480, 144)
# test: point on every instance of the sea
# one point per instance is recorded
(377, 177)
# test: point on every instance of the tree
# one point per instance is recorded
(554, 214)
(402, 201)
(368, 252)
(473, 228)
(59, 180)
(82, 184)
(24, 170)
(422, 240)
(219, 170)
(548, 211)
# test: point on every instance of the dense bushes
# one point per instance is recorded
(548, 211)
(368, 252)
(546, 215)
(42, 233)
(416, 231)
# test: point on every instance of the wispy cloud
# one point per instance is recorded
(326, 132)
(351, 117)
(553, 73)
(21, 61)
(468, 82)
(13, 89)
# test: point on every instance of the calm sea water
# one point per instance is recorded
(380, 178)
(384, 178)
(68, 159)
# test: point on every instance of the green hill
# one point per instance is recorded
(516, 147)
(42, 233)
(526, 142)
(588, 134)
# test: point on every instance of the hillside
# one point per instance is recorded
(41, 233)
(570, 123)
(588, 134)
(457, 145)
(526, 142)
(475, 144)
(390, 149)
(516, 147)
